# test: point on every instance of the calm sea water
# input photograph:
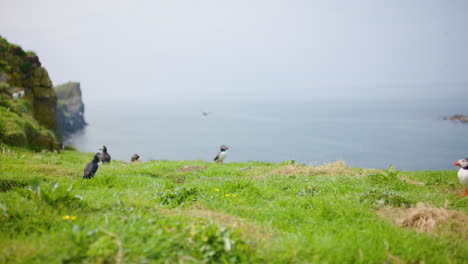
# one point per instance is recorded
(408, 135)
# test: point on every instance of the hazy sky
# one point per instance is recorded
(246, 50)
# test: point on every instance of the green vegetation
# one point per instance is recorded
(26, 122)
(199, 212)
(18, 128)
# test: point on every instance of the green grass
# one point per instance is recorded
(19, 128)
(159, 212)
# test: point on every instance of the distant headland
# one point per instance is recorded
(70, 108)
(459, 118)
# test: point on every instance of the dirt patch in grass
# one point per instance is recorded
(428, 219)
(334, 168)
(192, 168)
(260, 177)
(414, 182)
(250, 230)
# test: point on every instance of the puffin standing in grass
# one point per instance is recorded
(18, 95)
(222, 154)
(135, 158)
(463, 173)
(92, 167)
(105, 157)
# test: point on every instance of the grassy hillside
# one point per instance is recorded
(196, 212)
(19, 128)
(26, 121)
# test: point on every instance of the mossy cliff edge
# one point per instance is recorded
(28, 120)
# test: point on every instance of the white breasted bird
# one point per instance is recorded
(105, 157)
(135, 158)
(463, 173)
(222, 154)
(18, 95)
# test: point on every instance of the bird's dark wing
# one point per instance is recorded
(104, 157)
(90, 170)
(95, 168)
(87, 170)
(217, 157)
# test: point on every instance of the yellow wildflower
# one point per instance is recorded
(227, 194)
(72, 217)
(216, 189)
(65, 217)
(233, 195)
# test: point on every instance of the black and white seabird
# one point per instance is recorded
(105, 157)
(205, 113)
(92, 167)
(463, 173)
(134, 158)
(18, 95)
(222, 154)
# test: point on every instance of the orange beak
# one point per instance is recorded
(456, 163)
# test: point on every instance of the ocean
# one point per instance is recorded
(409, 135)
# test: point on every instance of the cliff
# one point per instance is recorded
(459, 118)
(27, 101)
(70, 108)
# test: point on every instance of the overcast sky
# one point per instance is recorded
(167, 51)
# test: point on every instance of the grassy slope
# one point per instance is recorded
(19, 128)
(153, 212)
(25, 122)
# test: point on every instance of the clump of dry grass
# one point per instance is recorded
(334, 168)
(414, 182)
(49, 169)
(249, 229)
(426, 218)
(192, 168)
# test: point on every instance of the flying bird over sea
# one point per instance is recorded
(92, 167)
(463, 173)
(205, 113)
(105, 157)
(222, 154)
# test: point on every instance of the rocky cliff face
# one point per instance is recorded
(459, 118)
(70, 108)
(27, 101)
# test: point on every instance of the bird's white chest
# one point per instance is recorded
(222, 155)
(463, 177)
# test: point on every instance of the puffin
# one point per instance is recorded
(92, 167)
(222, 154)
(18, 95)
(134, 158)
(463, 173)
(105, 157)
